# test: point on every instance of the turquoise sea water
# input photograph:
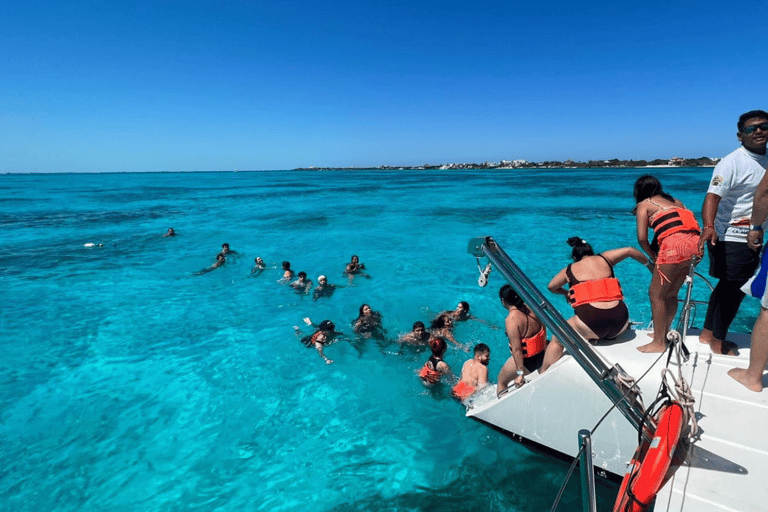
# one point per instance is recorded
(127, 383)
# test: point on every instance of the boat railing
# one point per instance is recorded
(610, 379)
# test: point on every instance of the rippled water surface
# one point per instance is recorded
(127, 383)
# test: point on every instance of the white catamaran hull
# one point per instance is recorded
(727, 467)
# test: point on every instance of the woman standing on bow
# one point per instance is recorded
(677, 233)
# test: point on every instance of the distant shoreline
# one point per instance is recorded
(523, 164)
(489, 166)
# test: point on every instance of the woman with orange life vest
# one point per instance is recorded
(527, 340)
(435, 367)
(595, 294)
(325, 333)
(678, 233)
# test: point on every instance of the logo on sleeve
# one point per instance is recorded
(717, 180)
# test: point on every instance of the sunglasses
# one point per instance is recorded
(749, 130)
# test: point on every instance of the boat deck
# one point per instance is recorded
(727, 467)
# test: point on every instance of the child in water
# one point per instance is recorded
(435, 367)
(474, 373)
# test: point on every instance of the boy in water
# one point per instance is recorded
(302, 284)
(417, 337)
(474, 373)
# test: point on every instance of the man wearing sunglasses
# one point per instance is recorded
(726, 214)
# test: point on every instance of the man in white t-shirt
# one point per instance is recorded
(726, 214)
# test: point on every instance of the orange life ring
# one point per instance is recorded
(643, 479)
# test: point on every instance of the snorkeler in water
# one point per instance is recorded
(220, 260)
(170, 232)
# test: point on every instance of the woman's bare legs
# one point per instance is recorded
(663, 296)
(555, 349)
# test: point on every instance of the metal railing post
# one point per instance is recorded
(588, 496)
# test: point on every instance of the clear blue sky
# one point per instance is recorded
(191, 85)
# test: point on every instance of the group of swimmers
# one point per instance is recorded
(368, 325)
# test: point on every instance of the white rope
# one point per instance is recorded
(682, 390)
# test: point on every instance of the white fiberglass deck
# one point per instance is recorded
(726, 469)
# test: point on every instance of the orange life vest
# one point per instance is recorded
(606, 289)
(430, 375)
(314, 338)
(535, 344)
(673, 221)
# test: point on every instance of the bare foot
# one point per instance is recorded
(706, 337)
(740, 376)
(652, 348)
(726, 348)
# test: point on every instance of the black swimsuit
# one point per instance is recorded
(605, 323)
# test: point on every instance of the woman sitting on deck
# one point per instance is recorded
(527, 340)
(678, 236)
(595, 294)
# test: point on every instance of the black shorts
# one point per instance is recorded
(533, 363)
(732, 261)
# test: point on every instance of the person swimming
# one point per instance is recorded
(302, 284)
(474, 373)
(258, 267)
(355, 268)
(323, 336)
(226, 251)
(461, 313)
(442, 326)
(170, 232)
(418, 337)
(323, 288)
(435, 367)
(220, 260)
(287, 272)
(368, 323)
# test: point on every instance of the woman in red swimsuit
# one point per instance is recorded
(595, 294)
(677, 232)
